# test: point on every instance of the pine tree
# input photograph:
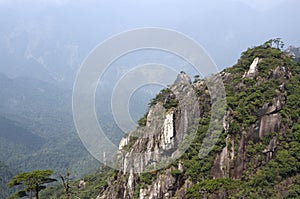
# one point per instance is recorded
(32, 182)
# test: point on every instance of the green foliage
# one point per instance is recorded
(166, 97)
(32, 182)
(211, 186)
(245, 97)
(175, 172)
(245, 101)
(196, 78)
(270, 56)
(286, 163)
(294, 190)
(95, 183)
(276, 43)
(136, 194)
(147, 178)
(143, 121)
(164, 93)
(171, 103)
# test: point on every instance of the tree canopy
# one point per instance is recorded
(31, 182)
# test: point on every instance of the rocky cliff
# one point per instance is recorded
(260, 131)
(255, 152)
(169, 119)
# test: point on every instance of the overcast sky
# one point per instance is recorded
(45, 30)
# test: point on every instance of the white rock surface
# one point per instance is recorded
(124, 141)
(253, 68)
(168, 133)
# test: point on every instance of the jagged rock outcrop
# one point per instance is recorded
(231, 163)
(224, 161)
(169, 121)
(255, 123)
(162, 187)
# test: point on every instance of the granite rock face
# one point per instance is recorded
(230, 163)
(157, 142)
(172, 117)
(252, 72)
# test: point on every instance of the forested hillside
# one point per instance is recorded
(37, 130)
(5, 175)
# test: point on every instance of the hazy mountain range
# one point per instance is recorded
(48, 40)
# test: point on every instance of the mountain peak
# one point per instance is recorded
(183, 78)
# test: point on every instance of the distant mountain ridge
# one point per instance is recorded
(11, 132)
(35, 100)
(36, 127)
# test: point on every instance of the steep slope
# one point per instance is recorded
(260, 156)
(164, 129)
(34, 116)
(15, 140)
(255, 156)
(36, 104)
(11, 132)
